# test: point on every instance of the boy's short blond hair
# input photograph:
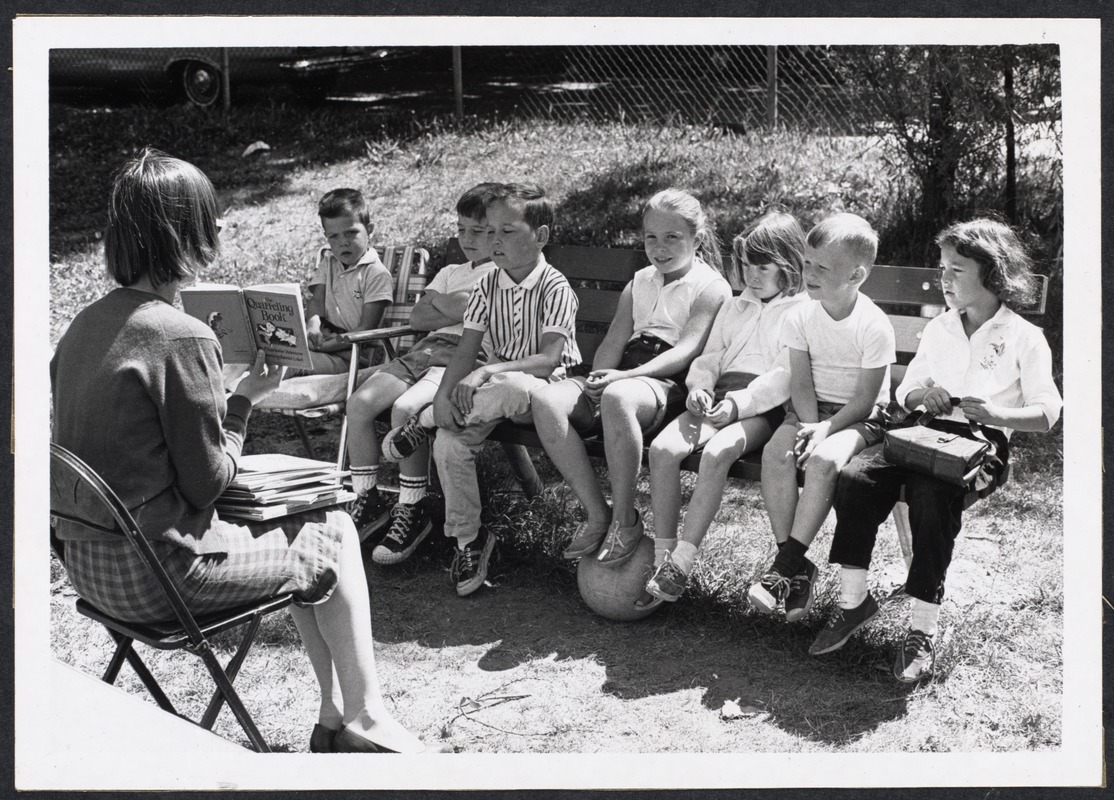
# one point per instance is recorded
(849, 231)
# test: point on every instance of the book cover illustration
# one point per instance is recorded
(268, 317)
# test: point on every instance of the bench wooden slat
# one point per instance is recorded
(921, 286)
(912, 285)
(588, 344)
(907, 332)
(596, 305)
(611, 264)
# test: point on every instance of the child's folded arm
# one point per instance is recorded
(429, 313)
(451, 304)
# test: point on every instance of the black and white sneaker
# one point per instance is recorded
(410, 524)
(915, 658)
(370, 512)
(469, 567)
(770, 592)
(401, 442)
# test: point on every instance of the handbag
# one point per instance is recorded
(945, 455)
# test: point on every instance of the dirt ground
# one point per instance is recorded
(581, 683)
(524, 666)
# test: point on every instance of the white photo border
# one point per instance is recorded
(43, 763)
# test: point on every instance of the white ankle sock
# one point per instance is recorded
(926, 616)
(852, 587)
(684, 556)
(364, 479)
(464, 541)
(425, 417)
(411, 490)
(661, 547)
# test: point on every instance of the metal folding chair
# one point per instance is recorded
(71, 479)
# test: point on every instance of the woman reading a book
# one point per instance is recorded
(138, 395)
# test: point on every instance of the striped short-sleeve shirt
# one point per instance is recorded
(515, 315)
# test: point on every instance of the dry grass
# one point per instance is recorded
(589, 685)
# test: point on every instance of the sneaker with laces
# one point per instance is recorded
(668, 581)
(802, 591)
(585, 541)
(842, 625)
(469, 567)
(401, 442)
(915, 657)
(620, 543)
(410, 524)
(769, 592)
(370, 512)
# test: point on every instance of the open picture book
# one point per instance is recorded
(268, 317)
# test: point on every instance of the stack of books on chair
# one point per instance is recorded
(276, 485)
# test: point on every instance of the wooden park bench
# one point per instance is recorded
(910, 296)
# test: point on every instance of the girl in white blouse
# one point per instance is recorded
(737, 389)
(979, 362)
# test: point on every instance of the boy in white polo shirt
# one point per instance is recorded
(527, 311)
(409, 383)
(841, 346)
(350, 288)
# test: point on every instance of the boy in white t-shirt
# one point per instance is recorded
(409, 383)
(841, 346)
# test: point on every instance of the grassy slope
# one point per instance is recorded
(595, 686)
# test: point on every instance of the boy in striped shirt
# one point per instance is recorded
(526, 312)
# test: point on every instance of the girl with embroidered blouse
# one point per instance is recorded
(979, 362)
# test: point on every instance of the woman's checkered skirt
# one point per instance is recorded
(298, 554)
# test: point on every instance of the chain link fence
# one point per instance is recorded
(738, 87)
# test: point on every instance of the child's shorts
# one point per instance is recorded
(668, 393)
(733, 382)
(871, 429)
(435, 350)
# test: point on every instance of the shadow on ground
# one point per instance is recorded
(533, 612)
(761, 663)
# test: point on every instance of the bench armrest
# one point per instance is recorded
(379, 334)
